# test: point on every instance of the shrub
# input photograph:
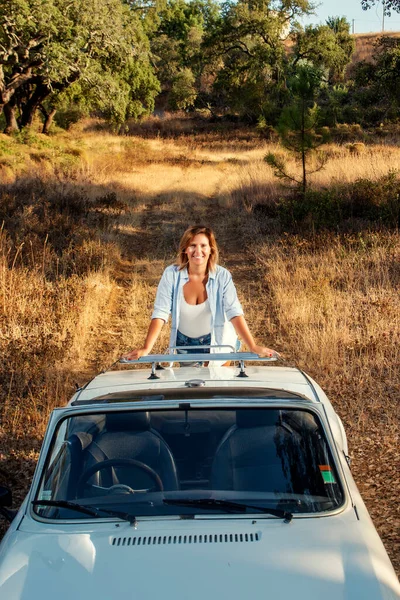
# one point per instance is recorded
(357, 130)
(372, 203)
(318, 209)
(356, 147)
(325, 133)
(375, 200)
(70, 116)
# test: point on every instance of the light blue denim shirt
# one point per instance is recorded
(221, 292)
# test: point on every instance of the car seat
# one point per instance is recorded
(253, 454)
(128, 437)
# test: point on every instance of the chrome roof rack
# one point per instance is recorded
(171, 357)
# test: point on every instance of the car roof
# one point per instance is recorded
(199, 382)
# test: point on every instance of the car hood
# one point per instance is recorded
(310, 558)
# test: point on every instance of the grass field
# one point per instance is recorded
(90, 220)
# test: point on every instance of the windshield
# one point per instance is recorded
(187, 462)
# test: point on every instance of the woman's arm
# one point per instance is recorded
(244, 333)
(234, 313)
(161, 312)
(151, 338)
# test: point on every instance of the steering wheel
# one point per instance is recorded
(118, 462)
(120, 488)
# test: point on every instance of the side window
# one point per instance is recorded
(312, 468)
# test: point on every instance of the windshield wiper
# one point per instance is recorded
(93, 511)
(230, 507)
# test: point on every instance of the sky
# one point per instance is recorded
(365, 21)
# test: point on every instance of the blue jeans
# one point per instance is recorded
(184, 340)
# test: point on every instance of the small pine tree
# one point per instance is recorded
(297, 127)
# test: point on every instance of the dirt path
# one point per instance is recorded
(151, 245)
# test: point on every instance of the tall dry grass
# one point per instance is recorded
(44, 326)
(129, 198)
(337, 308)
(365, 45)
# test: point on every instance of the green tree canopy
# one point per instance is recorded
(249, 41)
(46, 45)
(378, 83)
(177, 46)
(327, 46)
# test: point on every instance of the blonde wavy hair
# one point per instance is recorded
(190, 233)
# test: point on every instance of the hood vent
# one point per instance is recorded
(165, 540)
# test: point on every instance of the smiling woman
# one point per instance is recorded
(202, 299)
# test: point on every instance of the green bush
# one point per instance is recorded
(69, 116)
(319, 209)
(375, 200)
(365, 202)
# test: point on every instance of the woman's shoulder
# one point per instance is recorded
(171, 269)
(221, 272)
(170, 273)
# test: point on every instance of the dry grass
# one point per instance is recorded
(345, 165)
(365, 48)
(365, 45)
(78, 278)
(337, 307)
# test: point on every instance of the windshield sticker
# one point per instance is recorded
(327, 474)
(45, 495)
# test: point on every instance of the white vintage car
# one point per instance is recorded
(192, 483)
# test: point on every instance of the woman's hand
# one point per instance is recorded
(262, 351)
(151, 338)
(135, 354)
(243, 332)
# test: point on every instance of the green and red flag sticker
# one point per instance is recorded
(327, 474)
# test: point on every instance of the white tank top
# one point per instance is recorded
(195, 319)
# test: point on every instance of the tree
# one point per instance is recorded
(327, 46)
(388, 5)
(336, 97)
(387, 68)
(47, 45)
(297, 125)
(378, 83)
(116, 97)
(249, 43)
(176, 45)
(183, 92)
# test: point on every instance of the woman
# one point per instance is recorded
(201, 297)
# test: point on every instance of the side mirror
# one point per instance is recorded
(6, 500)
(5, 496)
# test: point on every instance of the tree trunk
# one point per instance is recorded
(303, 146)
(48, 119)
(16, 79)
(28, 112)
(11, 121)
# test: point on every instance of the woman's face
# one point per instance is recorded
(198, 251)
